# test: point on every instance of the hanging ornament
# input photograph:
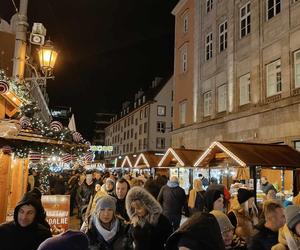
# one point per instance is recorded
(4, 87)
(77, 137)
(56, 126)
(34, 156)
(66, 158)
(25, 122)
(6, 150)
(88, 143)
(89, 156)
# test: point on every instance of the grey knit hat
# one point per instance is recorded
(223, 221)
(292, 215)
(106, 201)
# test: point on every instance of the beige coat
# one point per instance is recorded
(287, 240)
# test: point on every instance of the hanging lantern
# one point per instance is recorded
(47, 56)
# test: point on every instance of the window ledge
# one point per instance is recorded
(273, 98)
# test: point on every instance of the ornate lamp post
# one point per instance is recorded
(47, 57)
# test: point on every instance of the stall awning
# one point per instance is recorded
(179, 157)
(128, 161)
(252, 154)
(147, 160)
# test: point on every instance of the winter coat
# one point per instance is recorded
(237, 244)
(201, 231)
(84, 192)
(264, 239)
(267, 187)
(121, 209)
(287, 240)
(243, 223)
(153, 233)
(152, 187)
(173, 201)
(15, 237)
(121, 240)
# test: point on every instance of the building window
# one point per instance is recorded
(131, 146)
(125, 123)
(209, 5)
(161, 110)
(141, 114)
(146, 112)
(135, 136)
(208, 46)
(273, 8)
(124, 136)
(160, 142)
(297, 68)
(124, 147)
(207, 103)
(127, 134)
(245, 20)
(140, 129)
(136, 121)
(223, 36)
(182, 113)
(127, 147)
(172, 111)
(131, 133)
(145, 143)
(184, 59)
(145, 127)
(139, 102)
(274, 78)
(161, 126)
(185, 23)
(245, 89)
(134, 105)
(132, 120)
(144, 99)
(140, 144)
(222, 98)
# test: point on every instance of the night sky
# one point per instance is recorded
(108, 50)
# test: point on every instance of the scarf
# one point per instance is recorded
(106, 234)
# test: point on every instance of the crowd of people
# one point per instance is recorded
(146, 213)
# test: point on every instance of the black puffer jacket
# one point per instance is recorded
(121, 240)
(264, 239)
(15, 237)
(201, 231)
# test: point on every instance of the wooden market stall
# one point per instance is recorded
(228, 161)
(179, 162)
(14, 170)
(129, 161)
(147, 161)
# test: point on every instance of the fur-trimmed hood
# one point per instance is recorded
(151, 204)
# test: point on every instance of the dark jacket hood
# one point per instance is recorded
(29, 199)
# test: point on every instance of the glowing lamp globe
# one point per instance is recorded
(47, 56)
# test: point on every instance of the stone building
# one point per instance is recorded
(237, 72)
(143, 124)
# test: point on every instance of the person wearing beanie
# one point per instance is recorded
(109, 186)
(231, 241)
(69, 240)
(244, 215)
(173, 201)
(289, 234)
(214, 200)
(24, 232)
(273, 220)
(107, 231)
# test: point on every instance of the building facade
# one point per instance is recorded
(145, 123)
(242, 75)
(101, 122)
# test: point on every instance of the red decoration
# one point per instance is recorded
(56, 126)
(25, 122)
(77, 137)
(4, 87)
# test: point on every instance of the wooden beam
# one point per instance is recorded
(221, 155)
(5, 161)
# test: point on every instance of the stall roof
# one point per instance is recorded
(183, 157)
(128, 161)
(253, 154)
(147, 159)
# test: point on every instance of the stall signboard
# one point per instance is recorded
(57, 209)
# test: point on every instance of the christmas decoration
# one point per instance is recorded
(66, 158)
(34, 156)
(89, 156)
(56, 126)
(25, 122)
(77, 137)
(4, 87)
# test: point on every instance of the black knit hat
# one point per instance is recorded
(211, 196)
(244, 195)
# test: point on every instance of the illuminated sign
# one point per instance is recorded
(105, 149)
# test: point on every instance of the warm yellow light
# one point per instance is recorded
(47, 56)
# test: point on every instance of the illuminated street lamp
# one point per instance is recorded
(47, 57)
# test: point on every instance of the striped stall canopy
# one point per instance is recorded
(66, 158)
(34, 156)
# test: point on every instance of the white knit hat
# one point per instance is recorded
(223, 221)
